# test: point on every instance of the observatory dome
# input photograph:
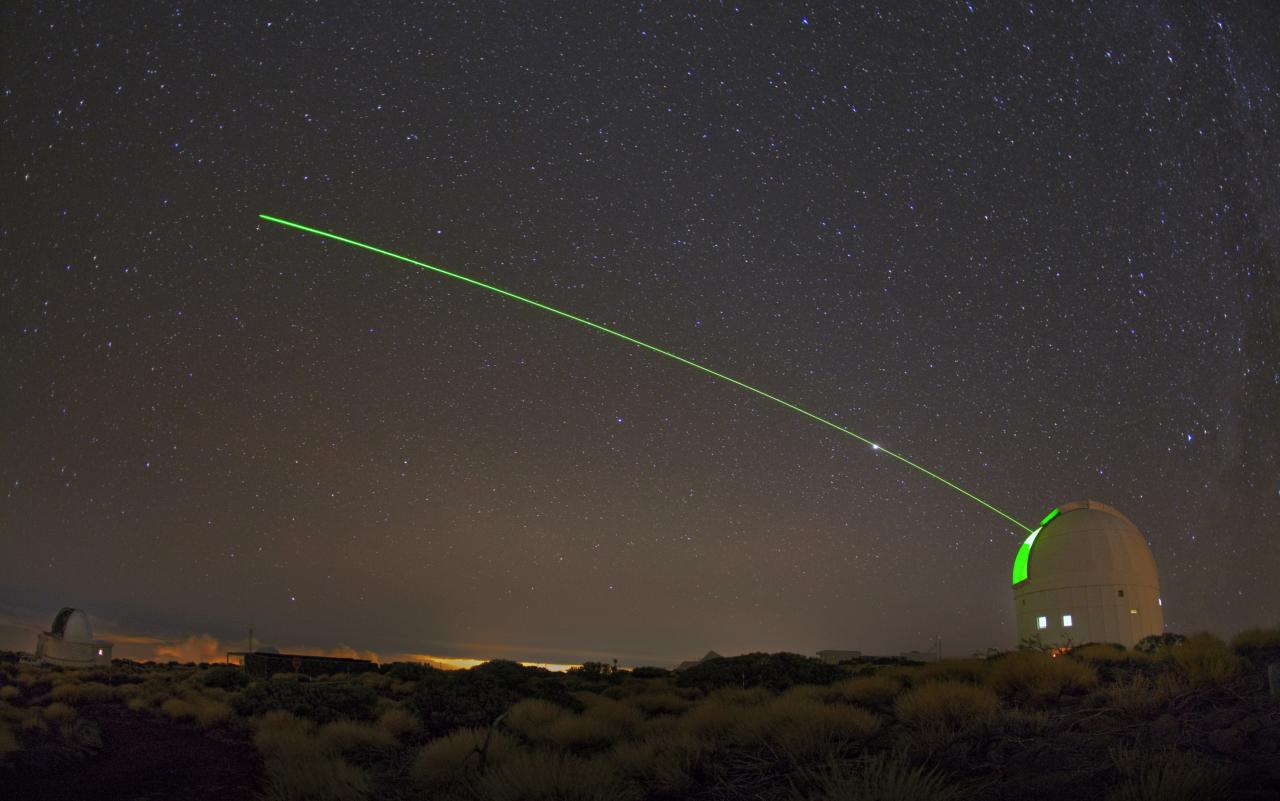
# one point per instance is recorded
(69, 642)
(1086, 575)
(72, 625)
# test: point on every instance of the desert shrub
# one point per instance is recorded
(1155, 643)
(227, 677)
(883, 777)
(970, 670)
(554, 777)
(624, 719)
(58, 713)
(775, 671)
(1257, 647)
(1205, 659)
(398, 722)
(646, 672)
(282, 734)
(315, 777)
(532, 717)
(1035, 676)
(205, 712)
(409, 671)
(321, 702)
(659, 703)
(668, 765)
(375, 681)
(807, 731)
(1144, 695)
(1166, 775)
(9, 693)
(580, 732)
(77, 693)
(455, 758)
(8, 741)
(349, 735)
(476, 697)
(875, 691)
(947, 703)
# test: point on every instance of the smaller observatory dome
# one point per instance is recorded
(72, 625)
(1086, 575)
(69, 642)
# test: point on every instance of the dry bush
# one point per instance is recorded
(1205, 659)
(1167, 775)
(581, 732)
(375, 681)
(1036, 676)
(205, 712)
(398, 721)
(555, 777)
(720, 720)
(315, 777)
(743, 696)
(878, 690)
(8, 741)
(663, 702)
(8, 693)
(883, 777)
(1256, 638)
(455, 758)
(77, 693)
(532, 717)
(58, 713)
(816, 731)
(948, 703)
(1144, 696)
(349, 735)
(970, 670)
(624, 719)
(280, 734)
(668, 764)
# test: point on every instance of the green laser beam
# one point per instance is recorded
(646, 346)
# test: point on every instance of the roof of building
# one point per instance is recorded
(72, 625)
(1084, 543)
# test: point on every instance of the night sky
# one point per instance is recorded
(1033, 247)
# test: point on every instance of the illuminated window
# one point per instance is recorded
(1042, 622)
(1160, 601)
(1133, 611)
(1066, 621)
(99, 652)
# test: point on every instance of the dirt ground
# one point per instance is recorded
(142, 757)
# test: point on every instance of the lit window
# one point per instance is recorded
(1133, 611)
(1042, 622)
(1160, 601)
(99, 652)
(1066, 621)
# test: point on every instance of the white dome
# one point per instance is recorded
(1086, 575)
(72, 625)
(1088, 542)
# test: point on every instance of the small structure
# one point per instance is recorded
(688, 663)
(836, 657)
(267, 661)
(1086, 575)
(70, 643)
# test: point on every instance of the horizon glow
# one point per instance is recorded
(655, 349)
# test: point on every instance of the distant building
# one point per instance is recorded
(688, 663)
(70, 643)
(268, 661)
(836, 657)
(1086, 575)
(919, 656)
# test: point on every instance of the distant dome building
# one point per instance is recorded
(1086, 575)
(70, 643)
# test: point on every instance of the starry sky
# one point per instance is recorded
(1031, 246)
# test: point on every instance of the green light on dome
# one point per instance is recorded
(654, 349)
(1024, 556)
(1048, 517)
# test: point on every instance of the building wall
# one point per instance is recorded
(55, 651)
(1098, 614)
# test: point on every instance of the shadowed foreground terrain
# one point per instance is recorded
(1177, 719)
